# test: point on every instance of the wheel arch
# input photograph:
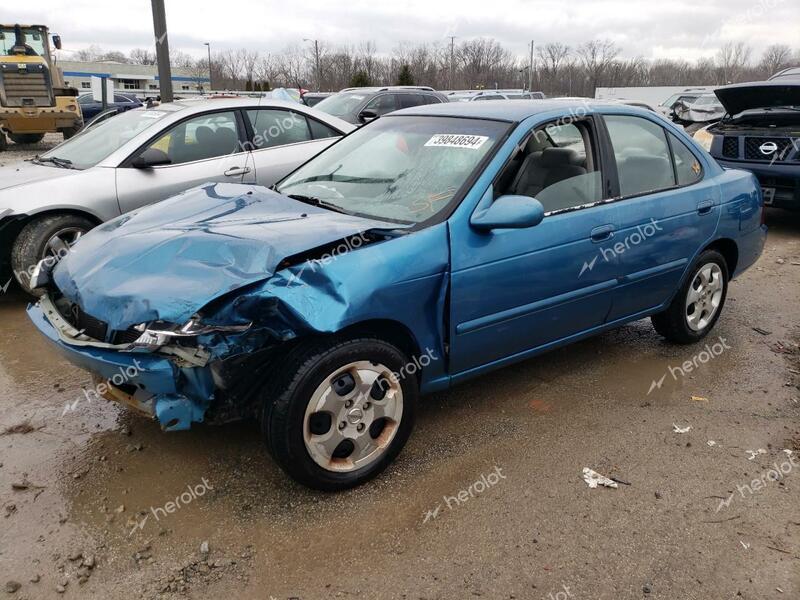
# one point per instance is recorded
(388, 330)
(729, 250)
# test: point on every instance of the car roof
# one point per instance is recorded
(506, 110)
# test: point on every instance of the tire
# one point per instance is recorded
(3, 142)
(26, 138)
(30, 246)
(686, 322)
(70, 132)
(288, 421)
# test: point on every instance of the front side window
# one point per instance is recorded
(342, 104)
(401, 169)
(644, 163)
(201, 138)
(385, 103)
(557, 167)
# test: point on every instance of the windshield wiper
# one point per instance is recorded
(321, 203)
(54, 160)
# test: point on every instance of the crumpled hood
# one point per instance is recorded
(20, 173)
(761, 94)
(169, 260)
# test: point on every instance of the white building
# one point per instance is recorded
(141, 80)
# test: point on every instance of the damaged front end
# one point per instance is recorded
(194, 339)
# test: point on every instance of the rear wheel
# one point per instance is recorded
(49, 236)
(3, 142)
(697, 306)
(337, 415)
(70, 132)
(26, 138)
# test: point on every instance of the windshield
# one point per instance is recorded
(97, 143)
(706, 100)
(404, 169)
(340, 105)
(32, 41)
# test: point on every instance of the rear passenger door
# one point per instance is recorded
(282, 140)
(666, 210)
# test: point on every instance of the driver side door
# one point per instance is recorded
(203, 148)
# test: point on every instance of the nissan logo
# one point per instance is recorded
(768, 148)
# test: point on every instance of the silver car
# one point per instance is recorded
(144, 156)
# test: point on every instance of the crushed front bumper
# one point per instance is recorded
(175, 396)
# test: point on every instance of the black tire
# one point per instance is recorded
(30, 245)
(3, 142)
(26, 138)
(294, 381)
(672, 324)
(70, 131)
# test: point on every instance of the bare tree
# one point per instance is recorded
(732, 58)
(596, 57)
(140, 56)
(775, 58)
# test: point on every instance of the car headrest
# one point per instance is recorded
(558, 157)
(204, 134)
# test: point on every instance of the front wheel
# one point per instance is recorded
(340, 412)
(698, 304)
(46, 237)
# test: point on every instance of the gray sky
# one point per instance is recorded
(675, 28)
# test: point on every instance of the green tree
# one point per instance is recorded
(248, 87)
(266, 87)
(257, 86)
(405, 77)
(360, 79)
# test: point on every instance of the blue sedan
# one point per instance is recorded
(426, 248)
(120, 102)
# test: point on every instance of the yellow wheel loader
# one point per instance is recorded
(33, 97)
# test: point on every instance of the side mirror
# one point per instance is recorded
(57, 42)
(367, 115)
(509, 212)
(152, 157)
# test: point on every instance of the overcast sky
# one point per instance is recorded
(653, 29)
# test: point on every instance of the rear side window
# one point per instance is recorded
(385, 103)
(644, 161)
(273, 128)
(687, 167)
(431, 99)
(320, 130)
(409, 100)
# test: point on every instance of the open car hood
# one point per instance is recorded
(761, 94)
(169, 260)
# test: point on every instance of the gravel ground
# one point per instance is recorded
(85, 485)
(17, 152)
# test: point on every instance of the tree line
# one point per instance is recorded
(482, 63)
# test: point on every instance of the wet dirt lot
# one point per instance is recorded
(97, 502)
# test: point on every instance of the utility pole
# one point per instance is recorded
(452, 59)
(530, 71)
(210, 76)
(162, 50)
(316, 63)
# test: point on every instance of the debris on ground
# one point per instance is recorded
(20, 428)
(711, 443)
(593, 479)
(12, 587)
(699, 399)
(762, 331)
(676, 429)
(752, 454)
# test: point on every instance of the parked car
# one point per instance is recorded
(792, 73)
(314, 98)
(703, 109)
(143, 156)
(361, 105)
(120, 102)
(760, 133)
(687, 96)
(428, 247)
(471, 96)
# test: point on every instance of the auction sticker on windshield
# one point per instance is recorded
(457, 140)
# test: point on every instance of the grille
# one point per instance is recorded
(94, 328)
(752, 148)
(730, 147)
(26, 89)
(126, 337)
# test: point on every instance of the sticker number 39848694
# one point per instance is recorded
(457, 140)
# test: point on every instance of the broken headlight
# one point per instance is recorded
(156, 335)
(704, 138)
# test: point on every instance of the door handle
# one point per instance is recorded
(705, 207)
(602, 233)
(234, 171)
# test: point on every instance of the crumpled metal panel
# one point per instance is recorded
(173, 258)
